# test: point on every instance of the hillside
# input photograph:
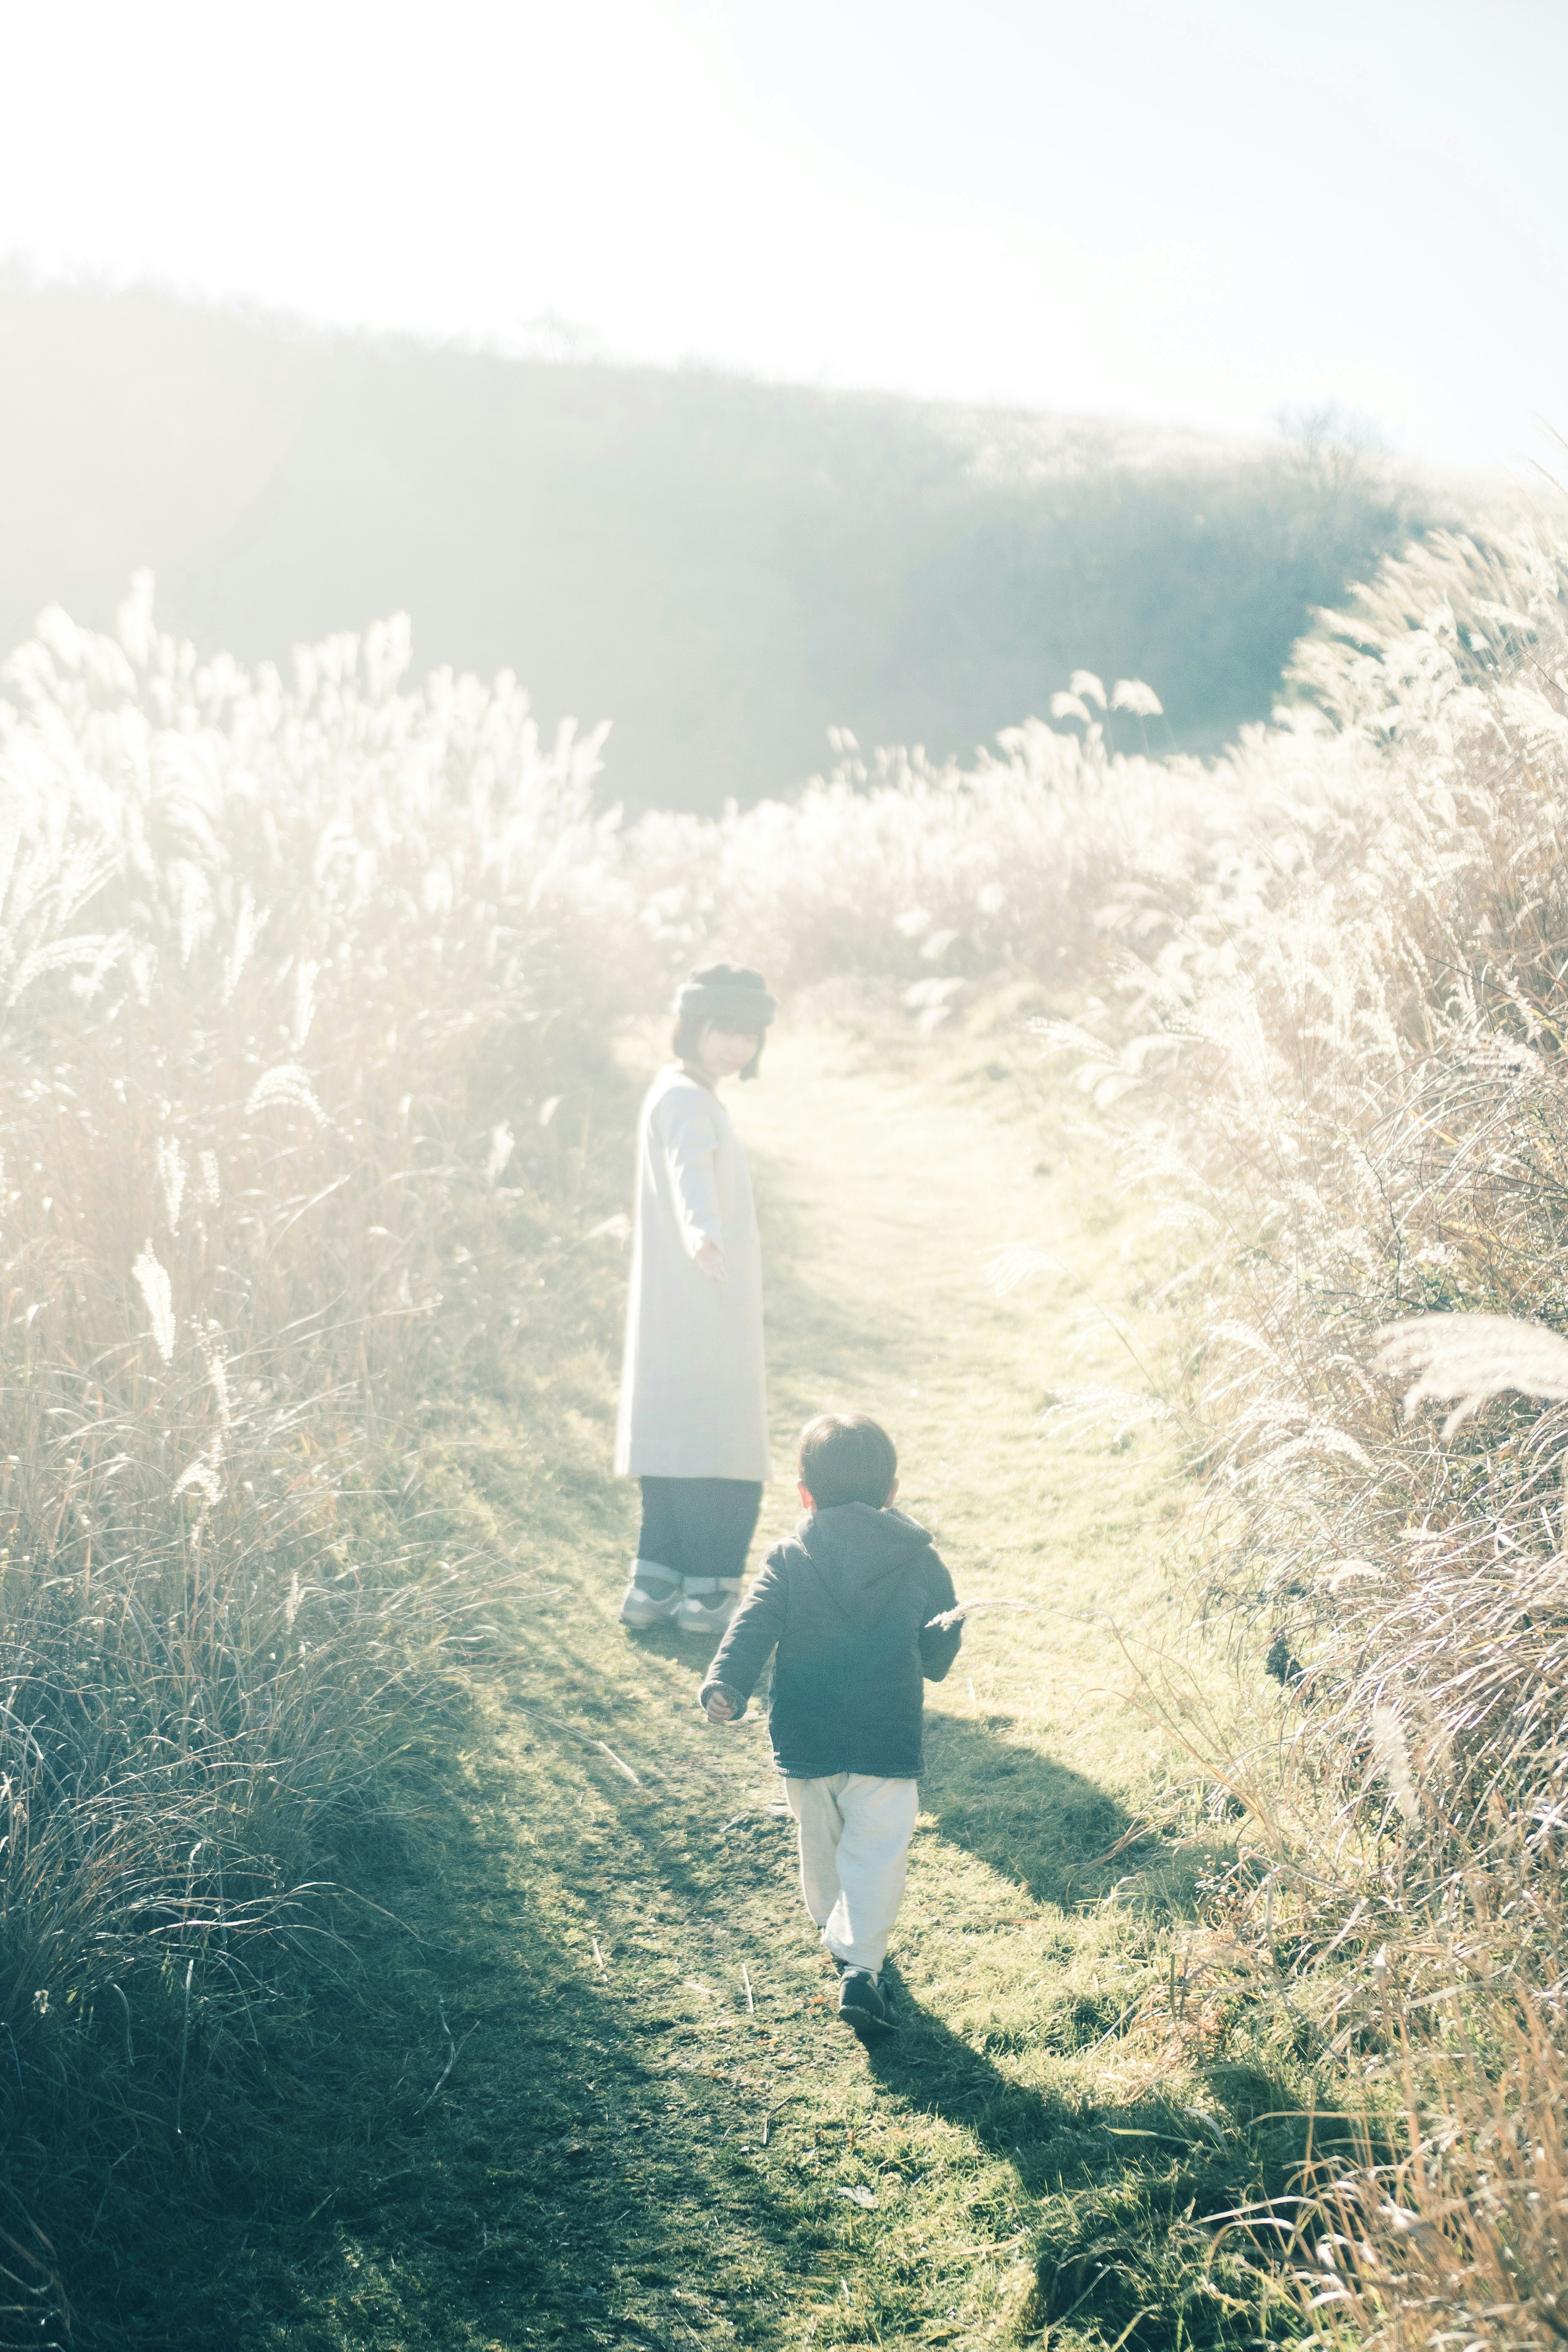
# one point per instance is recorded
(726, 568)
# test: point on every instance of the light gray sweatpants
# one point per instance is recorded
(855, 1835)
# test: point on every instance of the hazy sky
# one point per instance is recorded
(1193, 213)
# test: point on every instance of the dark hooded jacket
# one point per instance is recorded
(848, 1600)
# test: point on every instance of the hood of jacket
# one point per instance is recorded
(861, 1556)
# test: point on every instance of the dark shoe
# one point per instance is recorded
(861, 2005)
(842, 1968)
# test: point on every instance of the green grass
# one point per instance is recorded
(625, 2149)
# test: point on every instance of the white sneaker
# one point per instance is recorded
(697, 1615)
(653, 1596)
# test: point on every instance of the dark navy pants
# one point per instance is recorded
(700, 1528)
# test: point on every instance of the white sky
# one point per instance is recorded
(1192, 214)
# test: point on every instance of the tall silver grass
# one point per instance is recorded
(1338, 1060)
(1338, 1056)
(891, 867)
(289, 973)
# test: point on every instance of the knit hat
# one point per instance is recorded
(729, 993)
(731, 997)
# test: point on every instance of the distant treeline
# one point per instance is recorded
(725, 569)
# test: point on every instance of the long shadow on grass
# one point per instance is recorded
(562, 2181)
(1053, 1831)
(1036, 1822)
(1125, 2245)
(1055, 1834)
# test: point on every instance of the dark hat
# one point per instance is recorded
(731, 994)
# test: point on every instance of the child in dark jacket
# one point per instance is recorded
(848, 1600)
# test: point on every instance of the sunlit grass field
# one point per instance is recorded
(388, 1951)
(653, 2129)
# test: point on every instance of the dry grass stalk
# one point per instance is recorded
(286, 969)
(1338, 1065)
(1463, 2237)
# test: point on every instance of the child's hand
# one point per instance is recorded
(719, 1709)
(709, 1259)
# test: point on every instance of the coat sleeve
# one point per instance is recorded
(752, 1632)
(939, 1645)
(689, 1134)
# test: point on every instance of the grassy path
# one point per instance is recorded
(653, 2130)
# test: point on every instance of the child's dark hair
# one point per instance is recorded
(847, 1457)
(731, 995)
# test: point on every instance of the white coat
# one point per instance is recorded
(693, 1389)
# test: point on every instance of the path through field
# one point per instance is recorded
(654, 2131)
